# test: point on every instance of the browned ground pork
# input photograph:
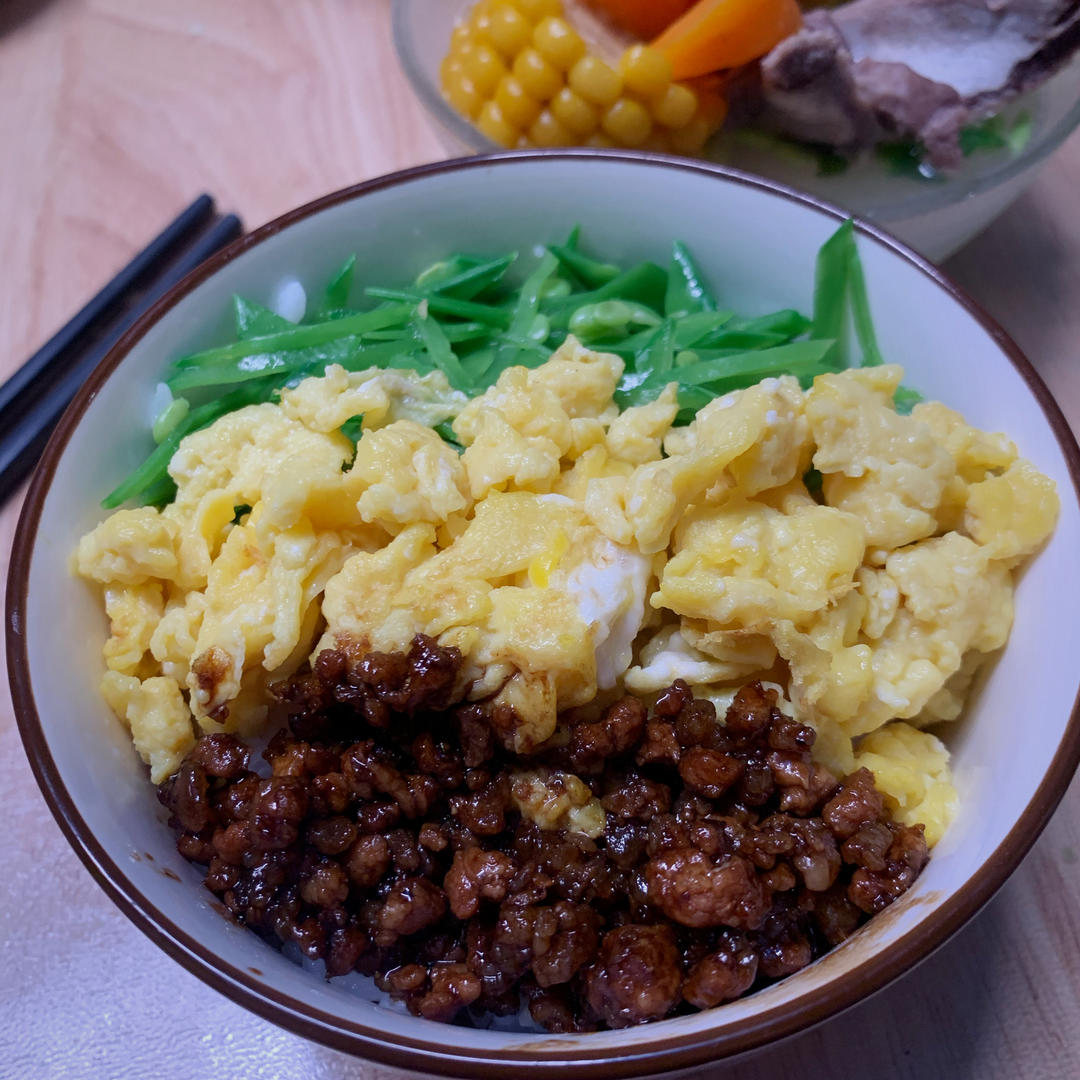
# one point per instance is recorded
(387, 841)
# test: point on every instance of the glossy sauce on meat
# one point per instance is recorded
(387, 841)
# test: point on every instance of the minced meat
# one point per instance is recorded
(388, 840)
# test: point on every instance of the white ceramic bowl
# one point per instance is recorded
(934, 217)
(1013, 753)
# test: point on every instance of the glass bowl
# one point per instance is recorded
(935, 216)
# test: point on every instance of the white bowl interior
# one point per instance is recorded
(758, 250)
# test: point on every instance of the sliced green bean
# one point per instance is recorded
(788, 322)
(644, 284)
(340, 285)
(300, 337)
(865, 333)
(741, 339)
(473, 280)
(759, 364)
(831, 290)
(431, 276)
(448, 305)
(169, 417)
(254, 320)
(659, 358)
(350, 352)
(526, 311)
(905, 399)
(687, 293)
(589, 272)
(353, 429)
(593, 321)
(438, 348)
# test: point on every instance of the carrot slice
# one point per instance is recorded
(643, 18)
(718, 34)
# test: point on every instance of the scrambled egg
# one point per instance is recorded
(571, 550)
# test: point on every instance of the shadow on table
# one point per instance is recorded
(14, 13)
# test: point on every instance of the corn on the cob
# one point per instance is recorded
(523, 75)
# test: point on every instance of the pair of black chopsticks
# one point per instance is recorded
(34, 398)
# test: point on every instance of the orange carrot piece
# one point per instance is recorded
(718, 34)
(644, 18)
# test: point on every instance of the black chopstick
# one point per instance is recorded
(33, 413)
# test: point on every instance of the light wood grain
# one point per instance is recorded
(113, 115)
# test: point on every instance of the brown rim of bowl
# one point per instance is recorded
(664, 1053)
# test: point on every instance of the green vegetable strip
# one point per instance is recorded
(659, 358)
(447, 305)
(477, 363)
(445, 432)
(860, 309)
(691, 329)
(161, 492)
(430, 277)
(254, 320)
(831, 290)
(528, 305)
(442, 355)
(787, 322)
(339, 286)
(525, 314)
(169, 417)
(645, 284)
(353, 429)
(741, 340)
(302, 336)
(475, 279)
(759, 363)
(456, 333)
(348, 351)
(686, 292)
(589, 272)
(905, 399)
(592, 322)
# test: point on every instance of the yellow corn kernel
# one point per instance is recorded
(535, 10)
(691, 138)
(539, 78)
(451, 68)
(595, 81)
(600, 141)
(559, 43)
(645, 71)
(547, 131)
(676, 108)
(480, 24)
(509, 31)
(517, 106)
(484, 66)
(463, 95)
(495, 125)
(460, 36)
(627, 122)
(574, 112)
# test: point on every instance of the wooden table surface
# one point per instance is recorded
(113, 115)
